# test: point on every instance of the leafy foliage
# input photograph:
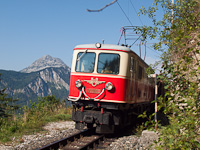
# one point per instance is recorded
(179, 40)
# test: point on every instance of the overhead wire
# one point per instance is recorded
(136, 12)
(143, 24)
(132, 24)
(153, 50)
(124, 13)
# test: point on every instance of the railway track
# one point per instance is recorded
(85, 139)
(88, 139)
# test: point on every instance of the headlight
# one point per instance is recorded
(98, 45)
(109, 86)
(78, 83)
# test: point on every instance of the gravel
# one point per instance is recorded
(133, 142)
(54, 131)
(59, 130)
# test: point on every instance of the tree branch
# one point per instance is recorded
(89, 10)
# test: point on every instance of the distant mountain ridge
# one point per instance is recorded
(44, 62)
(46, 76)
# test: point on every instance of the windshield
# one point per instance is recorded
(85, 62)
(108, 63)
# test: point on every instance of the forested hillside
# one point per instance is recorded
(30, 86)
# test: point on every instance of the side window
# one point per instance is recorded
(132, 65)
(140, 72)
(145, 74)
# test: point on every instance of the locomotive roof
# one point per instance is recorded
(104, 46)
(109, 46)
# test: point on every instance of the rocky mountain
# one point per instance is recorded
(44, 62)
(46, 76)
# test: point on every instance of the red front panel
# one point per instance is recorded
(92, 89)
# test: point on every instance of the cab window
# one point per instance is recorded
(85, 62)
(108, 63)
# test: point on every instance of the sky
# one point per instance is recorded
(30, 29)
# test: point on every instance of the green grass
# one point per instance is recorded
(58, 117)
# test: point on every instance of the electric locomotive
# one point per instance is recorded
(108, 86)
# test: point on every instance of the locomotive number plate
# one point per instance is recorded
(93, 91)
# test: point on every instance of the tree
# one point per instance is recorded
(7, 105)
(89, 10)
(179, 40)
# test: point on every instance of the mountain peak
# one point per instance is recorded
(46, 56)
(44, 62)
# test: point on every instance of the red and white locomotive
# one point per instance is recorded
(108, 86)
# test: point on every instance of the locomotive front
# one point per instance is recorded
(97, 85)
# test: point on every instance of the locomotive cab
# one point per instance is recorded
(104, 86)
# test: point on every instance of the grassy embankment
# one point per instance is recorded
(31, 120)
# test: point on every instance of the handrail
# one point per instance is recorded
(75, 100)
(83, 89)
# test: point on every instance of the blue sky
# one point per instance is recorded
(30, 29)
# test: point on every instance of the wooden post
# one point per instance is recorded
(156, 95)
(172, 11)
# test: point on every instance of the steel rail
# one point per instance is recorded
(61, 143)
(93, 143)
